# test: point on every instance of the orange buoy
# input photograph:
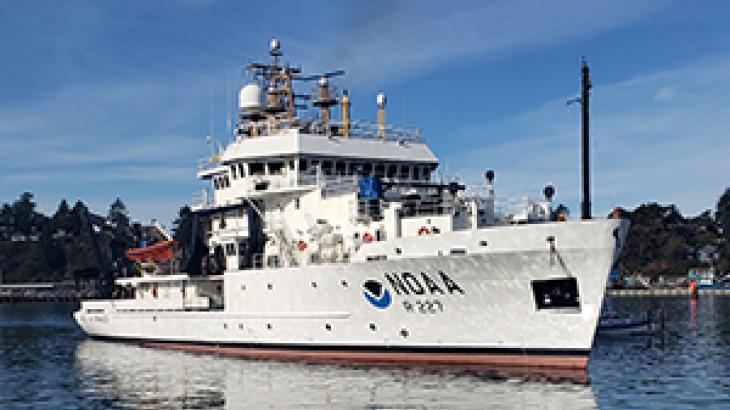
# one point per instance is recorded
(693, 289)
(301, 245)
(423, 231)
(367, 238)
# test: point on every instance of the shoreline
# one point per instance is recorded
(667, 292)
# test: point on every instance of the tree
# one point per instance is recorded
(27, 220)
(63, 219)
(722, 213)
(7, 222)
(118, 215)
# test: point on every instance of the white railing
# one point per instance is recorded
(201, 199)
(357, 129)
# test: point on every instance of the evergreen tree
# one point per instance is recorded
(63, 219)
(27, 220)
(722, 214)
(7, 223)
(118, 215)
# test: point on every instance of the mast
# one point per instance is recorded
(584, 101)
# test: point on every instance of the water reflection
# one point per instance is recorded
(115, 375)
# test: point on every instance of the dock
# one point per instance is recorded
(667, 292)
(43, 292)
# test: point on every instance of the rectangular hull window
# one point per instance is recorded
(556, 293)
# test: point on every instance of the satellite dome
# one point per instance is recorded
(249, 99)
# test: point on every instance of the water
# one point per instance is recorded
(47, 363)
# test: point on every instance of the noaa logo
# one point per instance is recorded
(376, 294)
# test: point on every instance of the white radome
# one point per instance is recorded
(250, 97)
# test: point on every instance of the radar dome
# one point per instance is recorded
(249, 99)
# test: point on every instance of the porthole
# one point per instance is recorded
(483, 243)
(225, 326)
(269, 326)
(404, 333)
(240, 326)
(328, 327)
(344, 283)
(270, 286)
(398, 251)
(314, 284)
(243, 287)
(373, 327)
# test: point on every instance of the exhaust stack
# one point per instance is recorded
(345, 114)
(381, 114)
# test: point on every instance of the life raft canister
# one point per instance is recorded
(301, 245)
(367, 238)
(424, 231)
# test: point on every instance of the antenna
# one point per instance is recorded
(583, 100)
(211, 112)
(229, 114)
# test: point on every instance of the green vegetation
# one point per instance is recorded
(662, 242)
(38, 248)
(35, 247)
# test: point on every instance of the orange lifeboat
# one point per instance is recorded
(158, 252)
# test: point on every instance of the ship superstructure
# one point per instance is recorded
(332, 239)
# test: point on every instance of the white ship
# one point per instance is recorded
(334, 240)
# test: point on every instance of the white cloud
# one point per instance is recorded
(664, 94)
(386, 40)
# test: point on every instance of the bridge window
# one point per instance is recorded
(426, 173)
(327, 167)
(367, 169)
(341, 168)
(234, 171)
(392, 170)
(379, 170)
(303, 165)
(404, 172)
(256, 168)
(276, 168)
(241, 170)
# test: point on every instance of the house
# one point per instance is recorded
(702, 276)
(708, 254)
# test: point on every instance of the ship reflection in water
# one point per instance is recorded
(133, 377)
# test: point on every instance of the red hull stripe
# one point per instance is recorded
(366, 355)
(381, 357)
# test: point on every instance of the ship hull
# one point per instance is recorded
(474, 358)
(476, 308)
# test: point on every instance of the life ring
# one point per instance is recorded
(147, 268)
(423, 231)
(301, 245)
(367, 238)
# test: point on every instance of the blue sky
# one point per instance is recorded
(106, 99)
